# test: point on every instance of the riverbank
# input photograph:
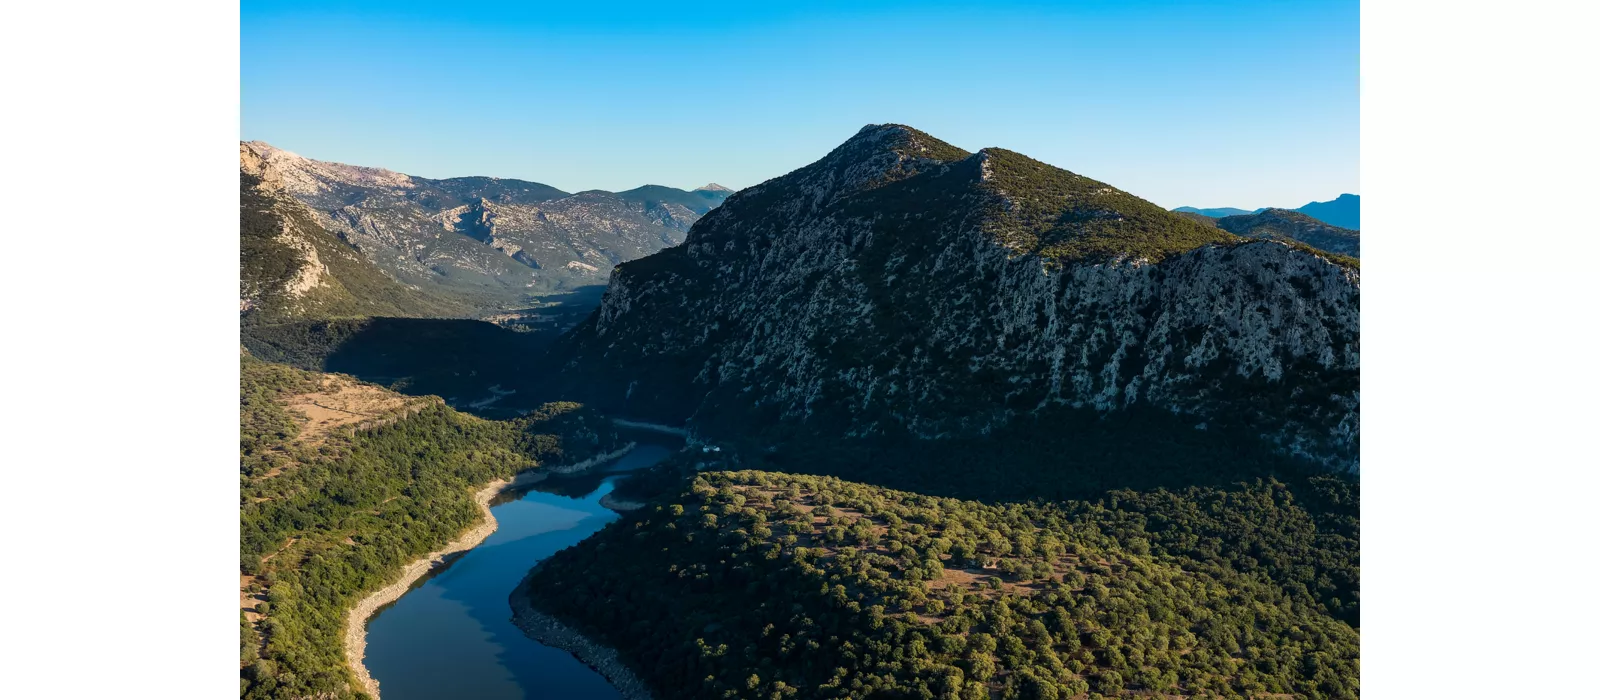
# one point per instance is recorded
(620, 505)
(546, 630)
(653, 427)
(355, 638)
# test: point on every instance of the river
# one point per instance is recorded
(451, 635)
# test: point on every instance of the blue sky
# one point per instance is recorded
(1242, 104)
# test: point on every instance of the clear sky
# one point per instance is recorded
(1209, 104)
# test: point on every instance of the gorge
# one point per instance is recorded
(955, 424)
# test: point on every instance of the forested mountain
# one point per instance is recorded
(1283, 224)
(754, 584)
(496, 243)
(341, 484)
(901, 286)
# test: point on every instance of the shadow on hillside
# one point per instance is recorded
(556, 313)
(1063, 454)
(476, 366)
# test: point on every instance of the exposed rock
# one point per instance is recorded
(292, 267)
(491, 239)
(901, 284)
(550, 632)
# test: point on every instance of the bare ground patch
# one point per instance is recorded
(343, 403)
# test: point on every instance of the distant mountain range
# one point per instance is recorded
(1286, 225)
(1343, 211)
(475, 243)
(1215, 213)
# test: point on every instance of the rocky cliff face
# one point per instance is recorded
(291, 268)
(492, 240)
(901, 284)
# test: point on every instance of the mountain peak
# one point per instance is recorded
(876, 155)
(904, 141)
(712, 187)
(903, 286)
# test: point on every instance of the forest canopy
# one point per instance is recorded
(323, 522)
(760, 584)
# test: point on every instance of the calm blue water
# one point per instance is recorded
(452, 637)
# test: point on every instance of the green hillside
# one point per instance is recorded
(327, 515)
(758, 584)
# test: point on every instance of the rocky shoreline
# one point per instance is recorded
(546, 630)
(653, 427)
(620, 505)
(355, 637)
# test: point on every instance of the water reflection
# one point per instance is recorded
(451, 635)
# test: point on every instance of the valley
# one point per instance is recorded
(329, 513)
(451, 634)
(484, 244)
(908, 421)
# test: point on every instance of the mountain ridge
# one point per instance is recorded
(1343, 211)
(902, 284)
(1290, 225)
(291, 267)
(500, 243)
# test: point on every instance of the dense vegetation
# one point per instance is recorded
(1138, 460)
(1063, 216)
(321, 524)
(757, 584)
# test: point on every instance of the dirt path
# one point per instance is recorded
(355, 636)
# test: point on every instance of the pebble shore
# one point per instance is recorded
(548, 631)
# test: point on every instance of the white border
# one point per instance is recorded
(1478, 260)
(1478, 159)
(120, 496)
